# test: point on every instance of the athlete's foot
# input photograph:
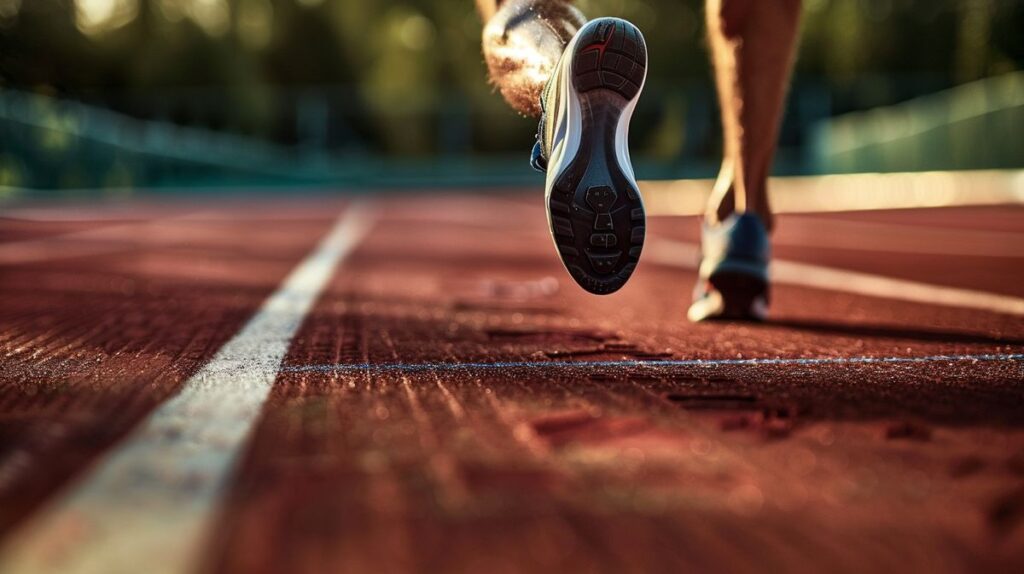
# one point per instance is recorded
(595, 212)
(732, 281)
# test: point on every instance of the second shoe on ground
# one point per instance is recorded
(732, 282)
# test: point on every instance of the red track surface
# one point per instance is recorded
(834, 467)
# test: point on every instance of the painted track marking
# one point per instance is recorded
(113, 238)
(835, 233)
(148, 502)
(852, 192)
(439, 366)
(686, 255)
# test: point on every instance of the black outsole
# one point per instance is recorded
(597, 216)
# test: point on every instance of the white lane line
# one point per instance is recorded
(666, 364)
(103, 240)
(844, 234)
(686, 255)
(852, 192)
(97, 211)
(147, 504)
(120, 237)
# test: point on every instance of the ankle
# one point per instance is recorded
(721, 207)
(757, 204)
(767, 218)
(722, 201)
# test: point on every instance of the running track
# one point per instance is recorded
(413, 383)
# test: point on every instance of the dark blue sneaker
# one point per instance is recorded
(595, 212)
(733, 275)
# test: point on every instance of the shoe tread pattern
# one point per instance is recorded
(612, 57)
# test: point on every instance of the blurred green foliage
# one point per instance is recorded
(970, 126)
(392, 76)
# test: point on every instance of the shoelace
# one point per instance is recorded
(537, 159)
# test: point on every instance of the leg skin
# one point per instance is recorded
(752, 45)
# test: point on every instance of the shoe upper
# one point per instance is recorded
(546, 127)
(739, 242)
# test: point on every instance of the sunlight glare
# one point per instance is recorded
(213, 16)
(98, 16)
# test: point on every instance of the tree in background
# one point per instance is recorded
(384, 72)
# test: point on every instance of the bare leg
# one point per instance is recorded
(752, 44)
(522, 42)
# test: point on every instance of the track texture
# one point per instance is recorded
(871, 467)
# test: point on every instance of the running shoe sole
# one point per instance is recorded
(595, 211)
